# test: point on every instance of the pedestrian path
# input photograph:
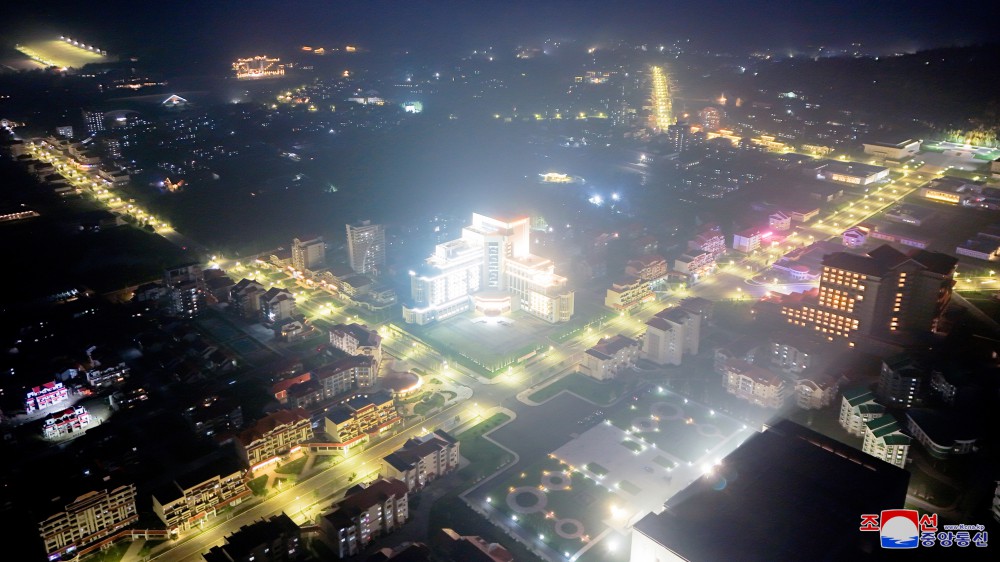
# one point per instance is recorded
(132, 554)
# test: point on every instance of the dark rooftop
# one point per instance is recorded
(785, 494)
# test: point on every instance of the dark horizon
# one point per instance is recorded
(434, 26)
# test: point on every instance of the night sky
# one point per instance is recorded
(442, 25)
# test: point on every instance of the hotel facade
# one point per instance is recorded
(489, 269)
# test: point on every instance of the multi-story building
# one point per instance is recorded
(89, 519)
(815, 391)
(876, 295)
(779, 220)
(196, 496)
(353, 422)
(651, 268)
(187, 298)
(244, 298)
(489, 269)
(277, 305)
(330, 381)
(422, 459)
(858, 407)
(672, 333)
(942, 433)
(277, 539)
(69, 421)
(696, 264)
(709, 239)
(610, 357)
(94, 121)
(355, 339)
(627, 293)
(902, 382)
(48, 394)
(363, 515)
(308, 254)
(366, 247)
(110, 375)
(747, 241)
(885, 440)
(274, 436)
(754, 384)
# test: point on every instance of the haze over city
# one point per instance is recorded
(499, 281)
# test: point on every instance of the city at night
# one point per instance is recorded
(551, 281)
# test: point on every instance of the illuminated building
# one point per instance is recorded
(355, 339)
(308, 254)
(893, 151)
(779, 221)
(276, 305)
(759, 386)
(855, 237)
(260, 66)
(244, 298)
(709, 520)
(858, 407)
(187, 299)
(902, 382)
(196, 496)
(711, 117)
(272, 437)
(272, 540)
(87, 520)
(877, 295)
(351, 423)
(853, 173)
(815, 392)
(672, 333)
(366, 247)
(489, 269)
(995, 169)
(696, 264)
(679, 137)
(951, 190)
(363, 515)
(48, 394)
(885, 440)
(610, 357)
(423, 459)
(650, 267)
(94, 121)
(70, 420)
(942, 433)
(748, 240)
(627, 293)
(709, 239)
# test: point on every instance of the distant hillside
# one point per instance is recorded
(943, 88)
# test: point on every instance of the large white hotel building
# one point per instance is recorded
(489, 269)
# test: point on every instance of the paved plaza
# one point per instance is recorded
(490, 340)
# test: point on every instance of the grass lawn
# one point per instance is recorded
(113, 554)
(602, 393)
(484, 456)
(257, 485)
(431, 403)
(632, 446)
(597, 469)
(294, 467)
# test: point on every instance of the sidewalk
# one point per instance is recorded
(132, 554)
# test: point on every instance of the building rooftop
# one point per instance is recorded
(270, 422)
(751, 508)
(242, 543)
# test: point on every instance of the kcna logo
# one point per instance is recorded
(905, 528)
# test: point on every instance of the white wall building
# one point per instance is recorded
(366, 247)
(858, 407)
(489, 269)
(885, 440)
